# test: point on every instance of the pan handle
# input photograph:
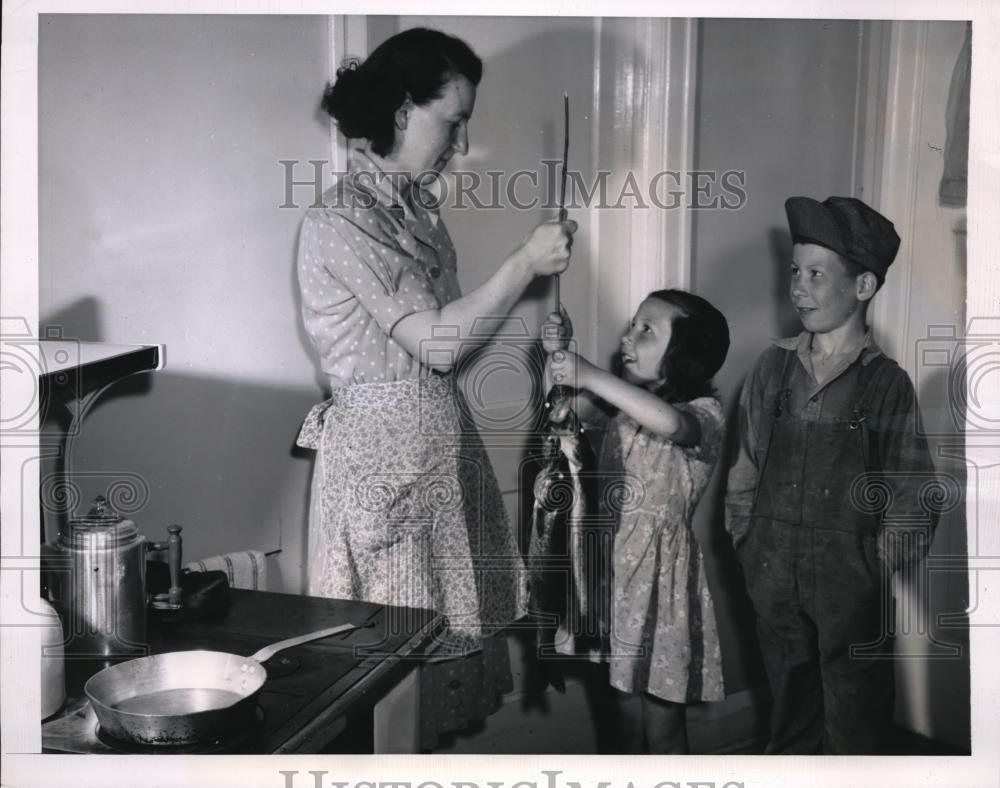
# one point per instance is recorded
(269, 651)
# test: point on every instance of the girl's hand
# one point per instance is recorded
(566, 368)
(547, 248)
(556, 331)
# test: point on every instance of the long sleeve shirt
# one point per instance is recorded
(848, 454)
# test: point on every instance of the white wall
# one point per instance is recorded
(159, 222)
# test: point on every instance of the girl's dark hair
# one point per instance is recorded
(415, 63)
(699, 342)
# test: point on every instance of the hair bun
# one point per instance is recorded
(343, 100)
(351, 64)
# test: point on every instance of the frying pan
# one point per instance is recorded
(184, 697)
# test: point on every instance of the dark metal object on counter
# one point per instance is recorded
(204, 595)
(171, 600)
(183, 697)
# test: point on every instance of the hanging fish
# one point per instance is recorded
(567, 566)
(563, 571)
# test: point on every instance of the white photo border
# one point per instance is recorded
(23, 766)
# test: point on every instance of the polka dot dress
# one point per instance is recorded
(406, 509)
(364, 264)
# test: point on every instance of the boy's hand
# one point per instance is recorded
(556, 331)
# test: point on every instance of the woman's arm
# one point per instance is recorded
(545, 251)
(643, 406)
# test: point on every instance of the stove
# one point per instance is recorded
(313, 691)
(78, 731)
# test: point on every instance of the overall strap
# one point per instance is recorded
(776, 397)
(869, 378)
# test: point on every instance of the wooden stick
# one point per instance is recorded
(562, 186)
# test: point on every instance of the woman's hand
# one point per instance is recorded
(557, 330)
(566, 368)
(547, 248)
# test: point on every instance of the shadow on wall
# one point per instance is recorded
(80, 320)
(950, 606)
(932, 618)
(742, 657)
(212, 455)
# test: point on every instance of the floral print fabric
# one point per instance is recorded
(407, 511)
(410, 511)
(664, 638)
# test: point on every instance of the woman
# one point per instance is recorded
(406, 508)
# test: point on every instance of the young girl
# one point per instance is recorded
(665, 438)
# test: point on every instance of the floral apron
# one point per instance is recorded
(407, 511)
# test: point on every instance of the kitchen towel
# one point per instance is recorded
(244, 569)
(955, 178)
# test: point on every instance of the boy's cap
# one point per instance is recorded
(847, 226)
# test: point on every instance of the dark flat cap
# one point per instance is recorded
(847, 226)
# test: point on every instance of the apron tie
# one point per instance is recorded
(312, 427)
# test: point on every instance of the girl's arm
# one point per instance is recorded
(585, 403)
(643, 406)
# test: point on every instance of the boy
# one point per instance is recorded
(824, 500)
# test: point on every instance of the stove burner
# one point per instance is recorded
(233, 742)
(281, 665)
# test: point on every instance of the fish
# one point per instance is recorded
(563, 587)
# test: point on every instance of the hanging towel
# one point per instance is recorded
(244, 569)
(955, 179)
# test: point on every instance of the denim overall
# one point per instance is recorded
(822, 599)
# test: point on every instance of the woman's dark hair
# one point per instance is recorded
(699, 342)
(415, 63)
